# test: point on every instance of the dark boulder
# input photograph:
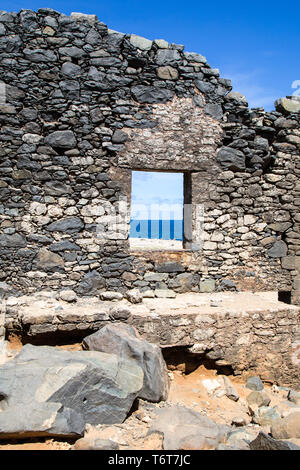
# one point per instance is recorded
(68, 224)
(231, 159)
(90, 284)
(12, 241)
(278, 250)
(266, 442)
(254, 383)
(151, 94)
(121, 339)
(61, 139)
(49, 391)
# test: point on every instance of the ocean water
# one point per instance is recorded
(157, 229)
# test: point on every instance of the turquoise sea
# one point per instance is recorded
(157, 229)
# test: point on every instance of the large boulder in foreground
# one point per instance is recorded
(40, 419)
(121, 339)
(186, 429)
(49, 391)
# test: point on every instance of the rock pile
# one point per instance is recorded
(49, 391)
(175, 427)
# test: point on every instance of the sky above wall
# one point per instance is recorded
(255, 44)
(156, 195)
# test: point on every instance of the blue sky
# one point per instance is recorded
(156, 195)
(256, 43)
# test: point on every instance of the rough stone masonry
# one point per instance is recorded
(83, 107)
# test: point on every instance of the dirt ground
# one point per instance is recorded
(185, 389)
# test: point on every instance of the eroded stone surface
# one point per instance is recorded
(183, 428)
(41, 375)
(241, 330)
(122, 339)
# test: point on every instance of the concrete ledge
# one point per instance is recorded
(251, 333)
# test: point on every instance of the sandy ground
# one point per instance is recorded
(190, 391)
(47, 444)
(186, 390)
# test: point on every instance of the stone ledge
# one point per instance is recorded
(248, 332)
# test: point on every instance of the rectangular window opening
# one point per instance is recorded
(157, 210)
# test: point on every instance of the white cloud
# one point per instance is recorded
(250, 85)
(157, 188)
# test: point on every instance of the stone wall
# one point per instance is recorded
(84, 106)
(242, 332)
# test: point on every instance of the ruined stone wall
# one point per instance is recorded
(84, 106)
